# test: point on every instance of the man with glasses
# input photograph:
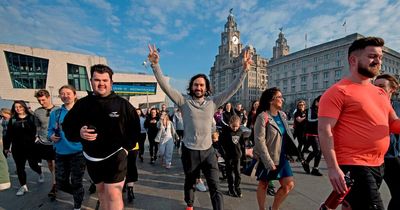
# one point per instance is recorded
(44, 147)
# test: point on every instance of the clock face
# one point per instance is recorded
(235, 40)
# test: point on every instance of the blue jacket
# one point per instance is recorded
(394, 147)
(62, 146)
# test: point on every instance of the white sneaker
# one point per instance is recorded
(41, 178)
(22, 190)
(220, 160)
(201, 187)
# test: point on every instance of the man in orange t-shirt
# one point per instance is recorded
(354, 121)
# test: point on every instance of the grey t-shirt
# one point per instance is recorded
(42, 116)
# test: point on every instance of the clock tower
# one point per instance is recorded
(228, 65)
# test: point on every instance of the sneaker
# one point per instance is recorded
(168, 166)
(189, 207)
(271, 190)
(221, 160)
(131, 195)
(200, 186)
(306, 167)
(238, 192)
(22, 190)
(41, 178)
(151, 161)
(232, 193)
(316, 172)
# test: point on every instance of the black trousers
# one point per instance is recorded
(20, 157)
(142, 139)
(205, 160)
(392, 179)
(233, 169)
(153, 146)
(69, 175)
(316, 153)
(364, 194)
(132, 173)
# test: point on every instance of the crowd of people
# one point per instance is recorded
(354, 124)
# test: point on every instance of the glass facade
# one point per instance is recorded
(27, 72)
(77, 77)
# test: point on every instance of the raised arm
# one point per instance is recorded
(229, 92)
(336, 175)
(172, 93)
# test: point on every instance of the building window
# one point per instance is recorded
(303, 79)
(293, 88)
(315, 86)
(27, 72)
(338, 63)
(326, 84)
(303, 87)
(77, 77)
(338, 74)
(326, 75)
(304, 70)
(315, 77)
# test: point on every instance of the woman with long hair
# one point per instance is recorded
(70, 162)
(165, 137)
(21, 134)
(273, 141)
(151, 125)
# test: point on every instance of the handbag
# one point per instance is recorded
(251, 168)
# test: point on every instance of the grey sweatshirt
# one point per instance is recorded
(197, 117)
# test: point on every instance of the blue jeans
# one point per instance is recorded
(165, 150)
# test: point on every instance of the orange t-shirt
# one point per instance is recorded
(361, 134)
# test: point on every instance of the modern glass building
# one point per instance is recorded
(24, 70)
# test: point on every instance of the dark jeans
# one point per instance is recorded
(20, 158)
(142, 139)
(392, 179)
(233, 168)
(316, 153)
(153, 147)
(205, 160)
(132, 173)
(69, 175)
(364, 194)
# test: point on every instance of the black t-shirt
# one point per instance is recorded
(232, 142)
(300, 125)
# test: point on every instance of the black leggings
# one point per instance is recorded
(153, 146)
(316, 153)
(132, 173)
(20, 158)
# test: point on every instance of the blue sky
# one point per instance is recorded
(188, 31)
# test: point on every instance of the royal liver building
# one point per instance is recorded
(228, 65)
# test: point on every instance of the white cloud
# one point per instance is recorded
(101, 4)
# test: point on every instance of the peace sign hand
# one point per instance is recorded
(247, 60)
(153, 54)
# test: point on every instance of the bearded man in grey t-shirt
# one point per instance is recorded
(198, 111)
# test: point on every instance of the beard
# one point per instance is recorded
(371, 71)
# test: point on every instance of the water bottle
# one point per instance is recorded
(335, 199)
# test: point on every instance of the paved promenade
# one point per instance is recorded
(160, 188)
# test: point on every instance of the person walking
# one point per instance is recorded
(151, 125)
(197, 111)
(178, 123)
(143, 133)
(21, 134)
(108, 126)
(273, 142)
(231, 139)
(44, 146)
(165, 136)
(355, 119)
(392, 157)
(5, 115)
(300, 120)
(311, 133)
(70, 163)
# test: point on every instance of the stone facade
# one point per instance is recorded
(307, 73)
(228, 65)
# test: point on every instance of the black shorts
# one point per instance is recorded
(365, 192)
(45, 152)
(110, 170)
